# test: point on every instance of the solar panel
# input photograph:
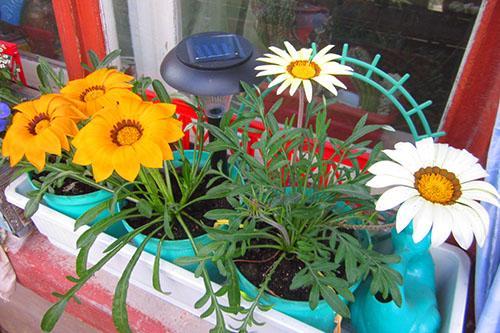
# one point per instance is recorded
(213, 48)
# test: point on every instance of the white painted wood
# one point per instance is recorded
(109, 28)
(155, 29)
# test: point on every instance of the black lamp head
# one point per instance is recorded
(211, 64)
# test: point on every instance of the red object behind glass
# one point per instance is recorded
(11, 50)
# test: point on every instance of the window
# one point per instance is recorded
(425, 38)
(32, 26)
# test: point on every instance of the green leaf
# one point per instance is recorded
(119, 311)
(145, 208)
(218, 214)
(32, 206)
(233, 294)
(202, 301)
(109, 58)
(91, 214)
(161, 92)
(52, 315)
(156, 269)
(94, 59)
(334, 301)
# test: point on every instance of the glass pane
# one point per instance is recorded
(425, 38)
(32, 26)
(121, 14)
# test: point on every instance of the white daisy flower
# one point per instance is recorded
(294, 67)
(436, 186)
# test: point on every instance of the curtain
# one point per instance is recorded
(487, 288)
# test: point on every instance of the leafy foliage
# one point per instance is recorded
(303, 200)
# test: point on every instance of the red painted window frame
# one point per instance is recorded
(80, 30)
(468, 122)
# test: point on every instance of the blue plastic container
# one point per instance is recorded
(321, 318)
(75, 206)
(174, 249)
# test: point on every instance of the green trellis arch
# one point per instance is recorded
(396, 86)
(416, 109)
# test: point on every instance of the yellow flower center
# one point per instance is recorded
(40, 122)
(303, 69)
(92, 92)
(437, 185)
(126, 132)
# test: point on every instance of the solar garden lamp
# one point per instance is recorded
(211, 65)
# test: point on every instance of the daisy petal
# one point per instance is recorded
(484, 217)
(284, 85)
(382, 181)
(460, 228)
(280, 53)
(390, 168)
(325, 81)
(422, 222)
(440, 151)
(308, 90)
(475, 224)
(323, 51)
(278, 79)
(425, 151)
(293, 88)
(394, 196)
(472, 173)
(463, 161)
(441, 228)
(480, 186)
(291, 50)
(406, 155)
(407, 212)
(481, 196)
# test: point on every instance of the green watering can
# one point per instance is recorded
(418, 312)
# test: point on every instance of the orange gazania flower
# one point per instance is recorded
(41, 126)
(90, 93)
(125, 135)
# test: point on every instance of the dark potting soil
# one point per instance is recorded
(196, 210)
(70, 186)
(256, 263)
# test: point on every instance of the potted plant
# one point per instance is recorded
(293, 239)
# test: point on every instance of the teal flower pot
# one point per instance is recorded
(174, 249)
(321, 318)
(75, 206)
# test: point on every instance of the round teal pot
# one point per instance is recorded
(174, 249)
(321, 318)
(75, 206)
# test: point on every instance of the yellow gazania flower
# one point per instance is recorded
(41, 126)
(296, 67)
(90, 93)
(125, 135)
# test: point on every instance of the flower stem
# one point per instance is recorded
(300, 117)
